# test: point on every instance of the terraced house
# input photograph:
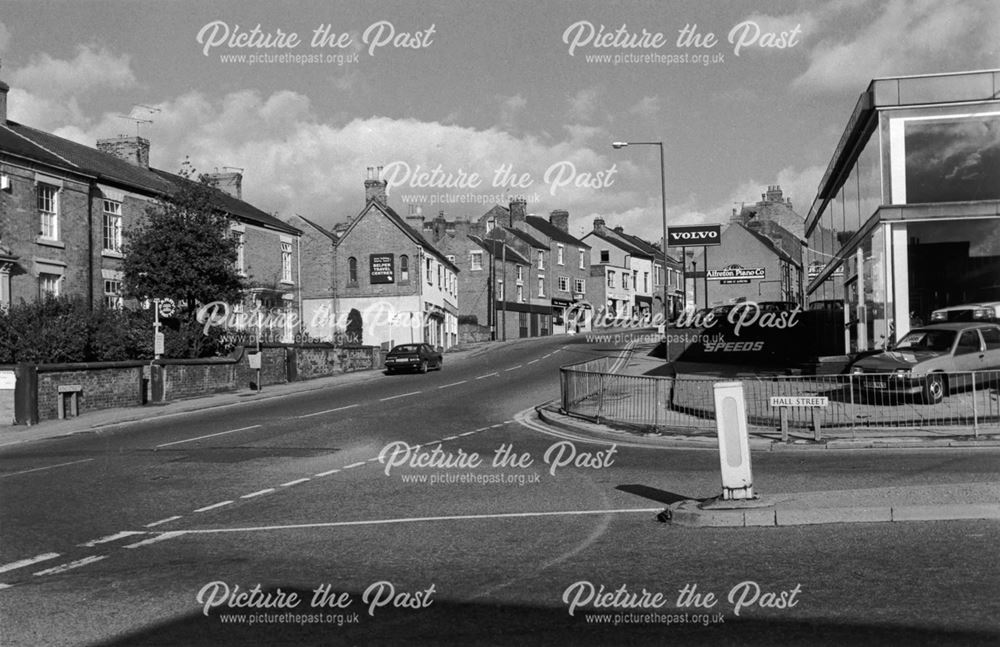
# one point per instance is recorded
(66, 209)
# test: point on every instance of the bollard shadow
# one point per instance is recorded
(653, 494)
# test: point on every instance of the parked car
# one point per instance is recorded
(983, 311)
(828, 305)
(413, 357)
(920, 361)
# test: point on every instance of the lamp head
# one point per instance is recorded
(619, 144)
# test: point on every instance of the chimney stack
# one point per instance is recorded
(560, 220)
(375, 186)
(134, 150)
(230, 182)
(4, 88)
(518, 212)
(440, 226)
(599, 225)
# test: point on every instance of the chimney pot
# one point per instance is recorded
(375, 187)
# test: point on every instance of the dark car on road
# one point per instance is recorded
(920, 362)
(413, 357)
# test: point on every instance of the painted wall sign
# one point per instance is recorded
(736, 274)
(694, 235)
(382, 268)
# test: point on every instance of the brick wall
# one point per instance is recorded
(376, 234)
(191, 379)
(105, 385)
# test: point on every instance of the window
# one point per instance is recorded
(440, 269)
(475, 260)
(429, 273)
(451, 258)
(520, 274)
(112, 226)
(559, 254)
(404, 269)
(48, 209)
(541, 286)
(500, 293)
(968, 343)
(541, 260)
(240, 239)
(611, 278)
(579, 286)
(992, 338)
(48, 284)
(352, 271)
(520, 294)
(564, 284)
(113, 294)
(624, 280)
(645, 281)
(605, 256)
(286, 262)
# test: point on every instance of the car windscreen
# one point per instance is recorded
(939, 340)
(410, 348)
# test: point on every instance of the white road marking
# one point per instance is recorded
(512, 368)
(4, 586)
(28, 562)
(534, 360)
(461, 517)
(295, 482)
(213, 506)
(319, 413)
(499, 424)
(48, 467)
(546, 356)
(161, 537)
(257, 493)
(481, 377)
(327, 473)
(445, 386)
(353, 465)
(401, 395)
(448, 438)
(469, 433)
(221, 433)
(62, 568)
(163, 521)
(110, 538)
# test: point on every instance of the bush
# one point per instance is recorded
(63, 329)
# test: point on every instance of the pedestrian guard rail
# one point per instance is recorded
(853, 405)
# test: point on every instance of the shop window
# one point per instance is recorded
(949, 159)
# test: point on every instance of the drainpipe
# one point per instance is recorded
(90, 245)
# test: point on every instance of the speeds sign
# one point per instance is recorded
(694, 235)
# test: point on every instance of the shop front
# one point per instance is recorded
(907, 219)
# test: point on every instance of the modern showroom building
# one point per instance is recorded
(907, 216)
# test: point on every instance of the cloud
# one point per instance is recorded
(510, 109)
(583, 105)
(92, 69)
(901, 37)
(647, 107)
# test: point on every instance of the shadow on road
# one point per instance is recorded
(653, 494)
(447, 622)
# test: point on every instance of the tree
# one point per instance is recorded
(183, 250)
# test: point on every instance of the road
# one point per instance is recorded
(157, 532)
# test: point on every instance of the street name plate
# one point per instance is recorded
(799, 401)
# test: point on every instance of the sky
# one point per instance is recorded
(469, 104)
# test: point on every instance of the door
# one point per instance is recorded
(534, 324)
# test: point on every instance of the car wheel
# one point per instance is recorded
(423, 366)
(934, 388)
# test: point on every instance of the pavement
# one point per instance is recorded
(980, 500)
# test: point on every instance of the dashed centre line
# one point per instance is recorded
(353, 465)
(44, 557)
(327, 473)
(221, 433)
(295, 482)
(110, 538)
(258, 493)
(62, 568)
(445, 386)
(48, 467)
(163, 521)
(213, 506)
(482, 377)
(401, 395)
(319, 413)
(534, 360)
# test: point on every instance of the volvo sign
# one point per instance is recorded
(694, 235)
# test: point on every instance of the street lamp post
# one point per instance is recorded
(663, 210)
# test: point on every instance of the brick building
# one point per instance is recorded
(610, 284)
(568, 274)
(388, 284)
(66, 207)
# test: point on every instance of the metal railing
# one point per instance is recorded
(866, 405)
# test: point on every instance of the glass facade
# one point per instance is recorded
(906, 218)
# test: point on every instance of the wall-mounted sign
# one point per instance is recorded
(694, 235)
(817, 266)
(736, 274)
(382, 268)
